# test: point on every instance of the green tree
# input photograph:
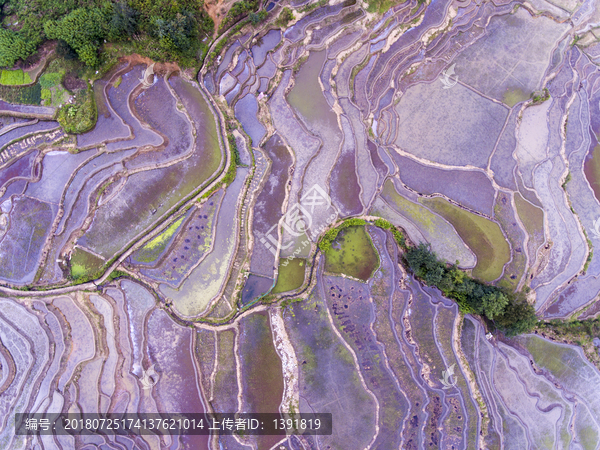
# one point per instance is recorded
(510, 312)
(82, 29)
(424, 263)
(177, 35)
(286, 16)
(256, 18)
(123, 22)
(13, 46)
(518, 317)
(494, 303)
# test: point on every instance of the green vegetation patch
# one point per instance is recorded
(312, 6)
(163, 29)
(398, 236)
(26, 95)
(51, 79)
(287, 15)
(331, 235)
(14, 77)
(580, 332)
(553, 357)
(531, 216)
(540, 96)
(81, 115)
(483, 237)
(383, 6)
(238, 10)
(154, 248)
(53, 92)
(84, 265)
(290, 275)
(508, 311)
(416, 213)
(513, 96)
(352, 253)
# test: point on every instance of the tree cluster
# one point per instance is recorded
(508, 311)
(242, 8)
(165, 29)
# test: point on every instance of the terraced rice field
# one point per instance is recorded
(352, 254)
(170, 260)
(482, 236)
(290, 276)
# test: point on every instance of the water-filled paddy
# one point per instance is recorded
(592, 170)
(262, 376)
(352, 253)
(328, 376)
(453, 126)
(264, 45)
(306, 95)
(482, 236)
(205, 281)
(245, 111)
(290, 275)
(255, 287)
(207, 140)
(21, 247)
(157, 245)
(84, 263)
(427, 226)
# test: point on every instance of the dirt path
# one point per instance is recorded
(217, 10)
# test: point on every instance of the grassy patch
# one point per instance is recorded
(382, 6)
(567, 179)
(234, 149)
(531, 216)
(483, 237)
(84, 265)
(416, 213)
(53, 92)
(547, 354)
(331, 235)
(352, 253)
(81, 115)
(580, 332)
(238, 10)
(398, 236)
(291, 275)
(14, 77)
(540, 96)
(27, 95)
(153, 248)
(312, 6)
(513, 96)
